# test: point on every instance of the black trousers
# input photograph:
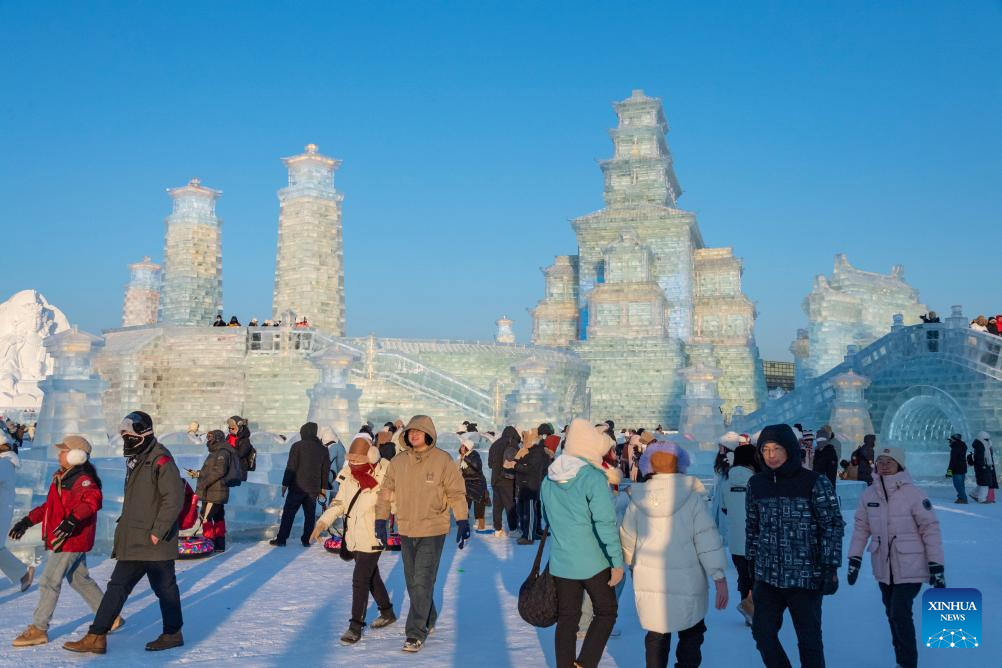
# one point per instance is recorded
(570, 596)
(805, 611)
(687, 654)
(124, 578)
(530, 513)
(365, 580)
(898, 599)
(477, 506)
(504, 502)
(744, 577)
(294, 500)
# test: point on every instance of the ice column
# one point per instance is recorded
(701, 415)
(850, 418)
(193, 266)
(309, 272)
(531, 403)
(72, 402)
(142, 294)
(333, 400)
(505, 334)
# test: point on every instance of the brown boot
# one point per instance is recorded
(31, 636)
(92, 643)
(165, 641)
(480, 524)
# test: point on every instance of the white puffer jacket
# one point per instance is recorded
(362, 521)
(732, 493)
(671, 544)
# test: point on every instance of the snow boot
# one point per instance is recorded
(165, 641)
(353, 634)
(89, 644)
(27, 578)
(413, 645)
(219, 544)
(31, 636)
(386, 617)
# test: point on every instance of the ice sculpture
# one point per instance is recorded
(309, 271)
(505, 334)
(73, 392)
(193, 265)
(850, 418)
(642, 286)
(532, 402)
(26, 321)
(851, 307)
(142, 294)
(333, 400)
(701, 416)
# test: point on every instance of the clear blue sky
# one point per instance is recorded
(469, 134)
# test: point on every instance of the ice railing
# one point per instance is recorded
(278, 339)
(978, 351)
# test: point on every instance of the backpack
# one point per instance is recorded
(235, 473)
(248, 463)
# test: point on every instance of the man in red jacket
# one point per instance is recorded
(68, 518)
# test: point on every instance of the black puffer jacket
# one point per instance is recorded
(531, 468)
(473, 476)
(826, 461)
(793, 524)
(309, 462)
(958, 456)
(496, 455)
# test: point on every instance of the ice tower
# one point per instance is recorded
(309, 272)
(142, 294)
(193, 266)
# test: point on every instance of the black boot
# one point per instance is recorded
(386, 617)
(353, 634)
(165, 641)
(219, 544)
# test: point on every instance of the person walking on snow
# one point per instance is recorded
(671, 545)
(984, 468)
(358, 490)
(732, 504)
(793, 541)
(586, 554)
(303, 484)
(501, 460)
(10, 565)
(958, 466)
(530, 469)
(424, 484)
(471, 467)
(68, 518)
(211, 487)
(145, 537)
(906, 548)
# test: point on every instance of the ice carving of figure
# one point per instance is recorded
(26, 319)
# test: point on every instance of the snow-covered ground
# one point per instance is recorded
(257, 605)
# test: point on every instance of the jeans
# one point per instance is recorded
(421, 557)
(529, 513)
(687, 653)
(73, 567)
(805, 611)
(365, 579)
(898, 600)
(504, 501)
(570, 595)
(744, 577)
(124, 578)
(958, 484)
(294, 500)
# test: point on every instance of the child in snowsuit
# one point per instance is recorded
(69, 519)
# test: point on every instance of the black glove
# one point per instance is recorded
(18, 529)
(381, 533)
(462, 533)
(937, 578)
(829, 581)
(854, 564)
(65, 528)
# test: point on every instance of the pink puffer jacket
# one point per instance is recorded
(898, 520)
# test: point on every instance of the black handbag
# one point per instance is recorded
(343, 551)
(537, 597)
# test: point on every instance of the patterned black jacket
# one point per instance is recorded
(793, 526)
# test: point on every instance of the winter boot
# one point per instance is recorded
(353, 634)
(90, 643)
(219, 544)
(276, 542)
(413, 645)
(481, 525)
(27, 578)
(165, 641)
(386, 617)
(31, 636)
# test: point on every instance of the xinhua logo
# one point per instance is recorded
(951, 618)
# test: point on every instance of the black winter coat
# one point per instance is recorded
(496, 455)
(309, 463)
(531, 468)
(826, 462)
(863, 458)
(793, 525)
(473, 476)
(154, 494)
(984, 472)
(958, 457)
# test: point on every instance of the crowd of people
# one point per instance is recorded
(773, 501)
(991, 324)
(16, 432)
(234, 321)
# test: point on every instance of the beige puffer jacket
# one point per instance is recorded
(362, 521)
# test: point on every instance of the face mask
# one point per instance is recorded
(132, 444)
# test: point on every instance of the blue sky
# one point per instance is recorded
(469, 134)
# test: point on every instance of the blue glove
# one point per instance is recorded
(381, 532)
(462, 533)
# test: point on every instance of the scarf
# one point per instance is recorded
(362, 473)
